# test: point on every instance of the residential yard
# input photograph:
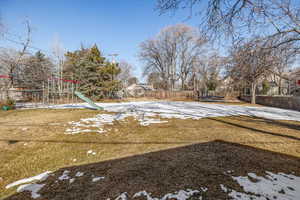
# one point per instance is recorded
(185, 151)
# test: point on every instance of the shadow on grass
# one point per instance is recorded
(189, 167)
(259, 130)
(289, 125)
(14, 141)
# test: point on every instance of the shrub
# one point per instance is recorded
(265, 87)
(8, 104)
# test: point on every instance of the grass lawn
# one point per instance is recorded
(33, 141)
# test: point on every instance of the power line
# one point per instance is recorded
(113, 57)
(22, 43)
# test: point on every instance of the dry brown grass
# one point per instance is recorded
(44, 146)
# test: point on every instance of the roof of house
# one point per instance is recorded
(135, 86)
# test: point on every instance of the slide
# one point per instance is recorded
(90, 102)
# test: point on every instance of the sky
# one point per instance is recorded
(116, 26)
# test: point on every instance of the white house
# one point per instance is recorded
(137, 90)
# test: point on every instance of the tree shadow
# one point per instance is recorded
(257, 130)
(272, 122)
(190, 167)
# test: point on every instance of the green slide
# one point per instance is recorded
(90, 102)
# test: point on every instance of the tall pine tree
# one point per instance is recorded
(95, 73)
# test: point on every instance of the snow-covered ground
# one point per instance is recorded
(184, 110)
(149, 112)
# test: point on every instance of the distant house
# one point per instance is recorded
(295, 83)
(287, 83)
(137, 90)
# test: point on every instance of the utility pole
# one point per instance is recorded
(114, 55)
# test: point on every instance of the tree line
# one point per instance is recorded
(261, 37)
(264, 36)
(96, 76)
(180, 57)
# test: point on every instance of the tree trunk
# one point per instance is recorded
(172, 84)
(182, 84)
(279, 88)
(11, 77)
(253, 92)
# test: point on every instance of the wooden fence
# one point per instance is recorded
(170, 94)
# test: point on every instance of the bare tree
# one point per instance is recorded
(133, 80)
(284, 58)
(36, 70)
(155, 61)
(59, 59)
(250, 62)
(12, 60)
(126, 72)
(207, 72)
(267, 18)
(10, 65)
(172, 53)
(58, 54)
(154, 79)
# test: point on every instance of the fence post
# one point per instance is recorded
(43, 92)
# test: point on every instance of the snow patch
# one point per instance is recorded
(184, 110)
(272, 186)
(180, 195)
(145, 112)
(78, 174)
(148, 121)
(71, 180)
(122, 196)
(91, 152)
(33, 188)
(65, 175)
(40, 177)
(96, 124)
(95, 179)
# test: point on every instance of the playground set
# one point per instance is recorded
(53, 91)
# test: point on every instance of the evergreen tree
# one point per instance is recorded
(96, 75)
(109, 84)
(265, 87)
